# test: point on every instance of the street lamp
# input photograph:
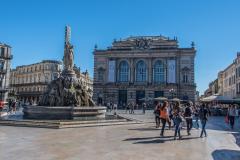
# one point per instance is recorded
(172, 92)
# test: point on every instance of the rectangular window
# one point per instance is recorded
(2, 51)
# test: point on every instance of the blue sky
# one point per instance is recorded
(35, 28)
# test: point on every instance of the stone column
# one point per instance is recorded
(150, 70)
(132, 72)
(166, 70)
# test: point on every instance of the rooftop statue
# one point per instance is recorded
(68, 51)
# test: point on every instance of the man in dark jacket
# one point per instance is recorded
(203, 114)
(188, 117)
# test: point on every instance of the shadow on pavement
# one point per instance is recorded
(137, 139)
(144, 129)
(225, 154)
(149, 140)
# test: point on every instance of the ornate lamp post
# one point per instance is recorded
(172, 92)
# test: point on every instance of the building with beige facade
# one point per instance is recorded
(142, 67)
(228, 81)
(29, 82)
(5, 64)
(85, 80)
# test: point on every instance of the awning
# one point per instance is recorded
(161, 99)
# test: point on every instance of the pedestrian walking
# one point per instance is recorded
(9, 106)
(177, 118)
(144, 107)
(157, 114)
(203, 115)
(188, 117)
(14, 106)
(196, 116)
(1, 107)
(232, 112)
(111, 106)
(169, 121)
(132, 108)
(115, 109)
(164, 116)
(108, 107)
(128, 108)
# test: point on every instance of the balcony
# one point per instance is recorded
(3, 71)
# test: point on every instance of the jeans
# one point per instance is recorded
(132, 111)
(197, 125)
(177, 130)
(157, 120)
(189, 125)
(203, 122)
(169, 123)
(163, 126)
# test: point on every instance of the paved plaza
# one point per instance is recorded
(122, 142)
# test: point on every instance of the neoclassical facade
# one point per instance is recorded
(28, 82)
(5, 64)
(142, 67)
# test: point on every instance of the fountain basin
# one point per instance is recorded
(64, 112)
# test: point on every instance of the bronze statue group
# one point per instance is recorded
(166, 113)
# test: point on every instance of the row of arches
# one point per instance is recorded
(141, 71)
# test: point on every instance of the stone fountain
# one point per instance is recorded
(66, 97)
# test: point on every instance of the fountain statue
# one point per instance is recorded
(66, 97)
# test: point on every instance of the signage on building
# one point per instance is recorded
(171, 71)
(111, 71)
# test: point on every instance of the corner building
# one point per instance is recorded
(5, 64)
(145, 66)
(29, 82)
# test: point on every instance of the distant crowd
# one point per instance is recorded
(176, 115)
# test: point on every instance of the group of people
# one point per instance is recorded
(232, 113)
(168, 113)
(111, 107)
(13, 106)
(130, 107)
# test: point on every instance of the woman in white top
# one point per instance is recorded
(232, 112)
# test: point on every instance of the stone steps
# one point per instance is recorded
(65, 124)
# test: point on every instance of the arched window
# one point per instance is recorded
(158, 72)
(141, 71)
(123, 71)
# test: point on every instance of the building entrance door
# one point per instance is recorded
(99, 101)
(158, 94)
(122, 98)
(139, 95)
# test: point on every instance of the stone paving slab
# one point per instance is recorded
(128, 142)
